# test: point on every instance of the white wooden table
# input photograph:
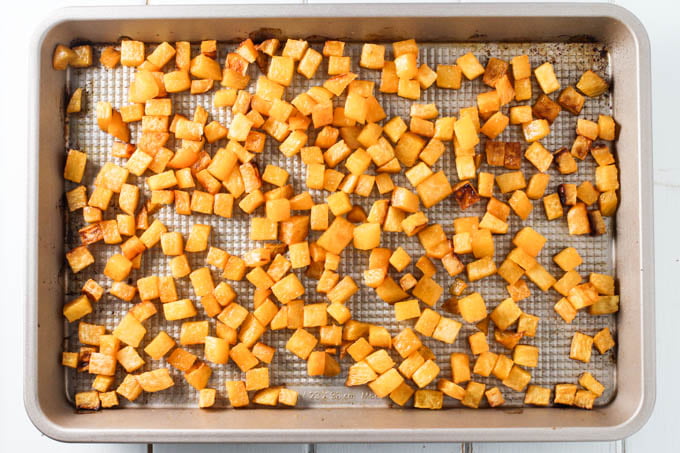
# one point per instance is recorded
(16, 431)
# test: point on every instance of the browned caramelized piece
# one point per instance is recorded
(592, 84)
(513, 156)
(495, 153)
(88, 401)
(571, 100)
(356, 214)
(293, 230)
(581, 147)
(597, 225)
(465, 194)
(567, 193)
(84, 358)
(262, 61)
(478, 160)
(315, 270)
(546, 108)
(566, 164)
(495, 69)
(450, 305)
(507, 339)
(90, 234)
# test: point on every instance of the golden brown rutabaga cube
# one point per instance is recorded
(581, 347)
(428, 399)
(591, 84)
(571, 100)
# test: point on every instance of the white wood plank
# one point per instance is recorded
(229, 448)
(535, 1)
(380, 1)
(388, 448)
(218, 2)
(544, 447)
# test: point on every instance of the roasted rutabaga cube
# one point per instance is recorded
(472, 308)
(591, 84)
(428, 399)
(581, 347)
(473, 394)
(545, 108)
(434, 189)
(386, 383)
(506, 314)
(545, 75)
(267, 396)
(465, 194)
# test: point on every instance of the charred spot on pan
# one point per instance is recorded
(317, 38)
(85, 410)
(122, 38)
(476, 36)
(80, 42)
(385, 35)
(262, 34)
(581, 39)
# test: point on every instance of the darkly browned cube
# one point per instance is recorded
(567, 193)
(571, 100)
(495, 153)
(495, 69)
(546, 108)
(581, 147)
(513, 156)
(597, 225)
(465, 194)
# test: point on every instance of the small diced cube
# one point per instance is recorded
(584, 399)
(478, 343)
(565, 393)
(472, 308)
(470, 66)
(518, 379)
(603, 341)
(545, 75)
(237, 393)
(589, 382)
(537, 396)
(473, 394)
(581, 347)
(372, 56)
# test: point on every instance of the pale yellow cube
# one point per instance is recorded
(547, 80)
(470, 66)
(372, 56)
(581, 347)
(472, 308)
